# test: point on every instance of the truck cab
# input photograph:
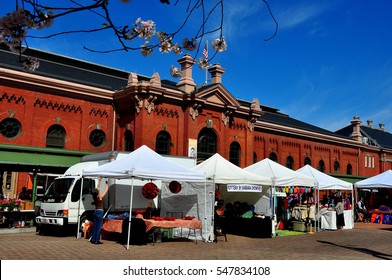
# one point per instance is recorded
(64, 202)
(60, 204)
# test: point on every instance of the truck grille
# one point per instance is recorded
(48, 213)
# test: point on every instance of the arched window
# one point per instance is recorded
(349, 170)
(290, 162)
(97, 138)
(128, 141)
(206, 144)
(336, 166)
(55, 137)
(321, 166)
(273, 157)
(234, 154)
(162, 143)
(307, 161)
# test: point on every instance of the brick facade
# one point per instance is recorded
(146, 106)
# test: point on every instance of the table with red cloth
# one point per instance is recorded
(118, 229)
(152, 224)
(112, 225)
(117, 225)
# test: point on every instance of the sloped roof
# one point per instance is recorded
(68, 69)
(376, 136)
(272, 115)
(286, 120)
(383, 138)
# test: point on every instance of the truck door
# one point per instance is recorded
(87, 202)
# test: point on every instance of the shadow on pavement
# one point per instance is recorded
(362, 250)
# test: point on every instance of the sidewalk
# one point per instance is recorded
(364, 242)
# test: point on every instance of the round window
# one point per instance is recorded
(97, 138)
(10, 127)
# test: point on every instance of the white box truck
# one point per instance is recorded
(61, 205)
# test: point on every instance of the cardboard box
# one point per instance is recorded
(23, 205)
(299, 226)
(29, 205)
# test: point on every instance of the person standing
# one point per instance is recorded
(98, 214)
(339, 208)
(24, 195)
(362, 209)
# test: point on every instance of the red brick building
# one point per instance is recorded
(68, 108)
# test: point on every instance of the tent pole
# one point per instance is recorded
(205, 209)
(317, 206)
(78, 234)
(212, 230)
(318, 211)
(130, 215)
(273, 207)
(353, 205)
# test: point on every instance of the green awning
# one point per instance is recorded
(22, 156)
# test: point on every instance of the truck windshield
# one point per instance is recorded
(58, 190)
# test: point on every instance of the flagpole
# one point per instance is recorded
(207, 63)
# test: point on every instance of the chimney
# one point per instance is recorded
(216, 73)
(370, 123)
(382, 126)
(186, 82)
(356, 124)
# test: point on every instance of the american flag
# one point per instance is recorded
(205, 53)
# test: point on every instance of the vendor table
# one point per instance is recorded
(382, 217)
(10, 218)
(328, 219)
(118, 228)
(113, 225)
(249, 227)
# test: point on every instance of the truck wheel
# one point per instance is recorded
(44, 230)
(84, 220)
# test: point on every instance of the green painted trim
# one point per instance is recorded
(23, 155)
(348, 178)
(42, 150)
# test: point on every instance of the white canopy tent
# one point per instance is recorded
(222, 171)
(281, 177)
(327, 182)
(144, 163)
(382, 180)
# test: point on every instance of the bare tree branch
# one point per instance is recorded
(32, 14)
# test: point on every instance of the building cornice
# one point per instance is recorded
(24, 79)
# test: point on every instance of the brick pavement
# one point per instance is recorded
(364, 242)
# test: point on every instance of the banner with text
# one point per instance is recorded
(243, 188)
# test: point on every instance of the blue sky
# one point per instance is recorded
(330, 60)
